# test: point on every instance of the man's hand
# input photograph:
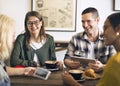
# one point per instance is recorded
(72, 64)
(97, 66)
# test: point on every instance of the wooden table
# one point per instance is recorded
(55, 79)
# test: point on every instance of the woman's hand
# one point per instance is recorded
(29, 71)
(59, 64)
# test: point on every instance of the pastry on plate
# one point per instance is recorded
(90, 73)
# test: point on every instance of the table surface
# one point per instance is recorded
(54, 79)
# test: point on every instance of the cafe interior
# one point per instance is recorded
(62, 34)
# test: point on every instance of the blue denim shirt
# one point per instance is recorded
(4, 78)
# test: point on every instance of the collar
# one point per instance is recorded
(84, 35)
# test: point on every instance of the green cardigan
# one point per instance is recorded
(24, 56)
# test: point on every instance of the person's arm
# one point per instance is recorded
(70, 52)
(69, 80)
(52, 48)
(71, 64)
(98, 66)
(20, 55)
(17, 52)
(52, 53)
(20, 71)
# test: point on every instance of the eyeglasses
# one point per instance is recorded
(30, 23)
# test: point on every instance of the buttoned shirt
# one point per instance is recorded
(79, 45)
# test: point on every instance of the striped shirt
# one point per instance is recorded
(79, 46)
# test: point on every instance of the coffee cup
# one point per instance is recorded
(76, 74)
(51, 64)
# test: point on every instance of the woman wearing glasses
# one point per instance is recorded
(33, 47)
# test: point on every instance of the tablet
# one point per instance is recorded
(83, 60)
(42, 73)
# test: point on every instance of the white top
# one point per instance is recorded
(91, 54)
(35, 46)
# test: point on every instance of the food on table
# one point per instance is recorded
(90, 73)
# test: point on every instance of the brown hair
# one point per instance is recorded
(27, 33)
(91, 10)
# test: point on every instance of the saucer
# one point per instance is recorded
(55, 69)
(81, 80)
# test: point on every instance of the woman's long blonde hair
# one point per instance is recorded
(6, 26)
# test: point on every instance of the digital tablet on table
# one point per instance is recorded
(42, 73)
(83, 60)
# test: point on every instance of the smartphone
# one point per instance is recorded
(42, 73)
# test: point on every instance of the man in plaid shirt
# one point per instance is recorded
(89, 44)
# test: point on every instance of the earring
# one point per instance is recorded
(117, 34)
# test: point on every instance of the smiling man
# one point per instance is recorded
(89, 43)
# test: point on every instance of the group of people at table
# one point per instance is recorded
(33, 47)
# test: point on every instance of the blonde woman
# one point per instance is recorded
(6, 43)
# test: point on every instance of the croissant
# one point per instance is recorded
(90, 73)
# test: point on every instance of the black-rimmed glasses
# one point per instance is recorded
(30, 23)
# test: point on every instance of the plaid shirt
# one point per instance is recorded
(79, 45)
